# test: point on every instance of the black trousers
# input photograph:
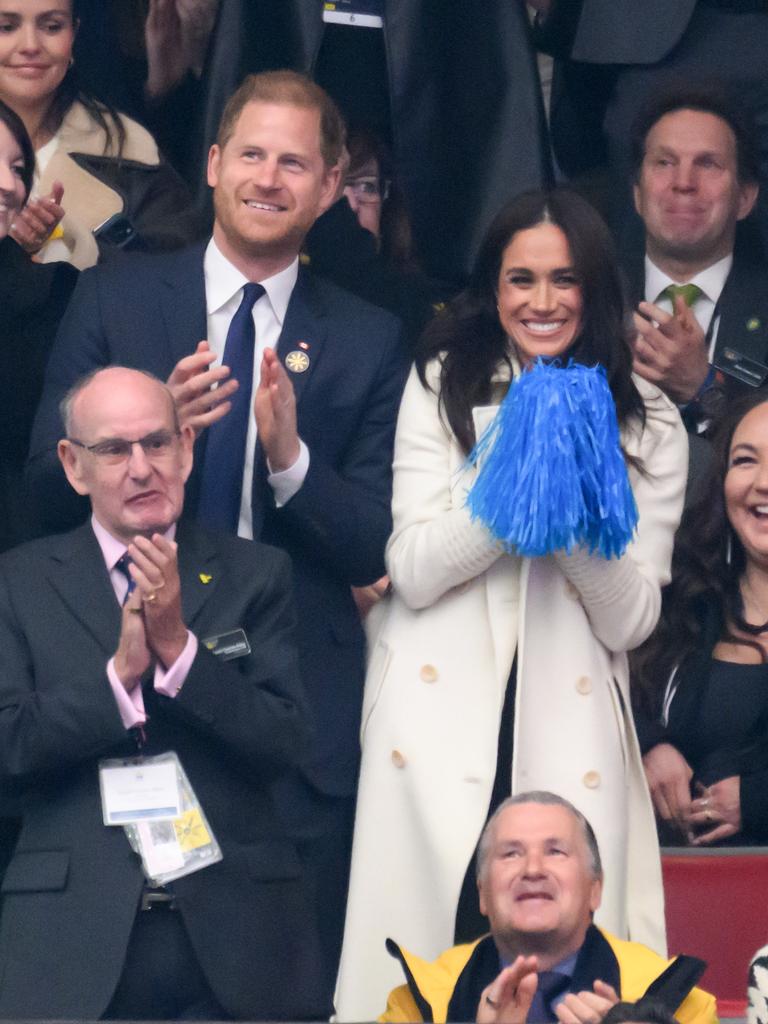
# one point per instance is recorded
(470, 923)
(162, 979)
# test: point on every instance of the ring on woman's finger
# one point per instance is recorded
(492, 1002)
(149, 598)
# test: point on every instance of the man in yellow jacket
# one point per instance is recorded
(540, 881)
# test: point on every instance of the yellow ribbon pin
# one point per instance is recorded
(205, 578)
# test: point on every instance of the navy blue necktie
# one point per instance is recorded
(551, 985)
(222, 477)
(122, 566)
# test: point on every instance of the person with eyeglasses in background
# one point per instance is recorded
(132, 636)
(364, 242)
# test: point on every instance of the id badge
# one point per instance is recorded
(140, 789)
(357, 13)
(171, 847)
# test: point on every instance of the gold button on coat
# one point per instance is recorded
(591, 780)
(584, 685)
(428, 674)
(398, 759)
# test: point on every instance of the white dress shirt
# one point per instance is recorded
(711, 281)
(224, 285)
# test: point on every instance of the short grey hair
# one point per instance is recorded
(66, 405)
(538, 796)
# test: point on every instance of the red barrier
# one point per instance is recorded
(717, 909)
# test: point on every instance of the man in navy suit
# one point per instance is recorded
(315, 446)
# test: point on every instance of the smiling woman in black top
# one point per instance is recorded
(701, 681)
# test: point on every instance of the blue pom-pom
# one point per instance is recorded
(553, 475)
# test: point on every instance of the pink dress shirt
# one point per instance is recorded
(167, 681)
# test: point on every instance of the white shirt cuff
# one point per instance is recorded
(288, 482)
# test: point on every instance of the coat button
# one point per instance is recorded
(428, 674)
(398, 759)
(584, 685)
(572, 591)
(591, 780)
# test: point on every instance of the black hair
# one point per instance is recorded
(472, 344)
(707, 564)
(709, 98)
(72, 90)
(15, 126)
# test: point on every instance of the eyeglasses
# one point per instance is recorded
(368, 190)
(114, 450)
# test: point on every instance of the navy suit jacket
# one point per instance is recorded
(149, 311)
(71, 891)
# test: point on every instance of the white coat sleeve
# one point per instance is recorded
(622, 597)
(434, 544)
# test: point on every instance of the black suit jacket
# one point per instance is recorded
(70, 892)
(614, 31)
(469, 129)
(742, 310)
(149, 311)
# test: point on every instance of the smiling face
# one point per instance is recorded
(270, 184)
(688, 192)
(537, 887)
(36, 38)
(139, 495)
(538, 294)
(12, 190)
(746, 484)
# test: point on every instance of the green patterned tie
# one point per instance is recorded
(690, 293)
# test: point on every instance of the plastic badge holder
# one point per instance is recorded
(172, 849)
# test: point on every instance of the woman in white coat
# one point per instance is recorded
(468, 624)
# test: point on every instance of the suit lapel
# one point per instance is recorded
(304, 333)
(634, 277)
(743, 309)
(182, 302)
(78, 573)
(199, 570)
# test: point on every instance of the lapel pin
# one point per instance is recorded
(304, 345)
(297, 362)
(753, 324)
(205, 578)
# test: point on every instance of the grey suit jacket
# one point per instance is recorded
(71, 890)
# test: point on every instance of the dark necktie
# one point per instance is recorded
(690, 293)
(222, 476)
(551, 985)
(122, 566)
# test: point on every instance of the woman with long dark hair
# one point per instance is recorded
(701, 681)
(32, 300)
(96, 168)
(495, 672)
